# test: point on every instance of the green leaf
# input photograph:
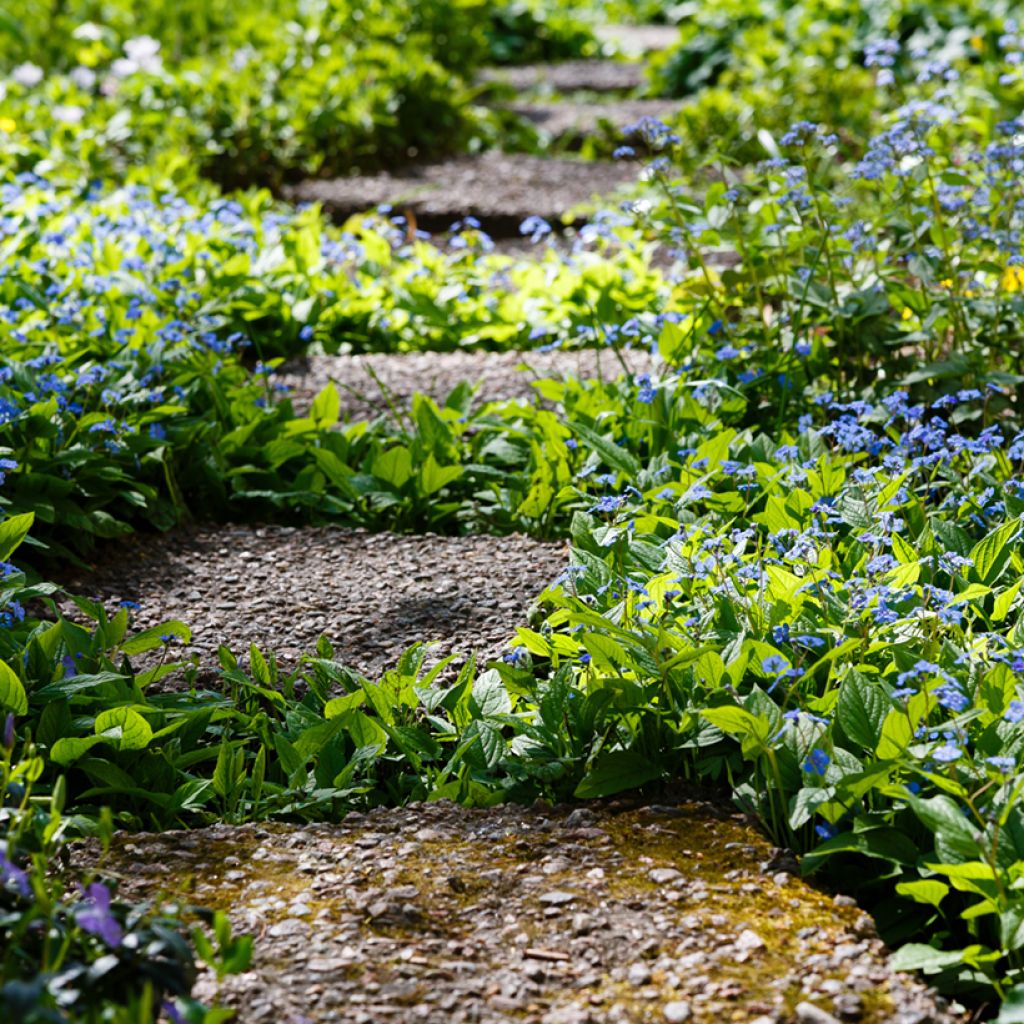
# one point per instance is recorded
(915, 956)
(897, 733)
(924, 890)
(614, 456)
(991, 554)
(1003, 601)
(326, 407)
(12, 532)
(955, 839)
(69, 749)
(861, 710)
(614, 772)
(393, 466)
(126, 726)
(149, 639)
(733, 720)
(434, 477)
(490, 696)
(12, 692)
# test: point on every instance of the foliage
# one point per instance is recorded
(70, 950)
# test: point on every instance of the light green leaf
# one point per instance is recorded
(12, 692)
(125, 726)
(12, 532)
(924, 890)
(393, 466)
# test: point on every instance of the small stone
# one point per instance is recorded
(848, 1006)
(749, 941)
(638, 974)
(677, 1011)
(808, 1013)
(582, 924)
(582, 817)
(662, 876)
(864, 927)
(556, 898)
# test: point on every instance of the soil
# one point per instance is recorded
(499, 189)
(443, 915)
(497, 375)
(372, 594)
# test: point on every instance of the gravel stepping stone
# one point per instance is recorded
(496, 374)
(442, 914)
(371, 594)
(570, 76)
(637, 40)
(573, 123)
(500, 189)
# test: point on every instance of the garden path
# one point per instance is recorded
(601, 915)
(436, 913)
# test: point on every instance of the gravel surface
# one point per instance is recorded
(371, 594)
(571, 76)
(436, 374)
(444, 915)
(573, 123)
(499, 189)
(637, 40)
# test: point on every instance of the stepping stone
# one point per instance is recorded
(637, 40)
(437, 913)
(570, 76)
(372, 594)
(573, 123)
(436, 374)
(501, 190)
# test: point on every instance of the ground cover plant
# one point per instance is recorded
(796, 544)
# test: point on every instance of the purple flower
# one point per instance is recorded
(93, 915)
(11, 874)
(8, 739)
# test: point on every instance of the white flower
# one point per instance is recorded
(83, 77)
(68, 114)
(123, 67)
(27, 74)
(89, 31)
(145, 51)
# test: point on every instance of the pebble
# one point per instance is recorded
(749, 941)
(808, 1013)
(556, 898)
(662, 876)
(677, 1012)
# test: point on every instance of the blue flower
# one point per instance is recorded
(817, 762)
(947, 753)
(1014, 711)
